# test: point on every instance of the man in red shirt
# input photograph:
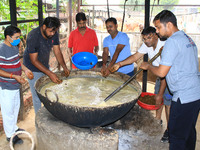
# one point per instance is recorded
(82, 39)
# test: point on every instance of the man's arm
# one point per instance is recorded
(105, 70)
(116, 54)
(59, 56)
(5, 74)
(131, 59)
(105, 58)
(105, 55)
(10, 75)
(42, 68)
(38, 64)
(163, 85)
(160, 71)
(60, 59)
(28, 72)
(159, 96)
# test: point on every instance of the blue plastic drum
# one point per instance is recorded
(84, 60)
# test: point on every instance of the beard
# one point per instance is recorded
(82, 28)
(162, 37)
(45, 34)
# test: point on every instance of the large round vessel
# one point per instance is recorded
(87, 116)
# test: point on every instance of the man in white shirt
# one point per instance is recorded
(151, 46)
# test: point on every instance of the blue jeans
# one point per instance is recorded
(35, 98)
(182, 122)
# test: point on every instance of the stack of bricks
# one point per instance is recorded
(28, 103)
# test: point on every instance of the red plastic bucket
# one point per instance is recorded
(147, 106)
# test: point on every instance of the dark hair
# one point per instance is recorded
(11, 30)
(111, 20)
(80, 16)
(52, 22)
(148, 30)
(166, 16)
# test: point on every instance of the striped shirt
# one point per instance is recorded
(9, 62)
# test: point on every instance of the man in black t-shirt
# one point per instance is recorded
(39, 43)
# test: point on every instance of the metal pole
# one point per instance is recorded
(13, 12)
(70, 16)
(40, 12)
(89, 24)
(57, 8)
(70, 23)
(57, 15)
(147, 12)
(93, 17)
(123, 15)
(108, 9)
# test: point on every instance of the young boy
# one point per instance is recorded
(10, 80)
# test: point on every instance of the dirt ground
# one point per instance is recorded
(29, 125)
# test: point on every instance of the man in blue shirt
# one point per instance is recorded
(179, 63)
(117, 44)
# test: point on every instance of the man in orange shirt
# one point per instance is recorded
(82, 39)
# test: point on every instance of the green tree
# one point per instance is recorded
(4, 10)
(26, 9)
(4, 15)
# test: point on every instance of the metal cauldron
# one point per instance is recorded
(87, 116)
